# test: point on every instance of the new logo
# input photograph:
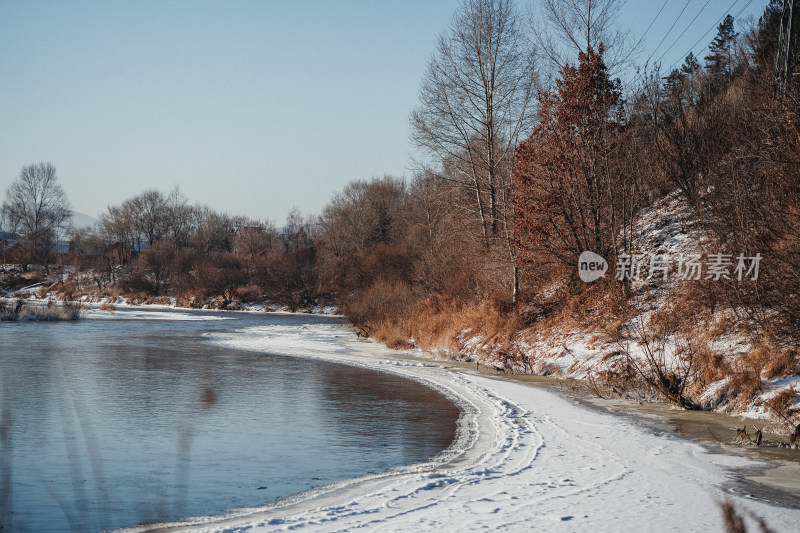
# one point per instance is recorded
(591, 266)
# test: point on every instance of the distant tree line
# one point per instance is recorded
(158, 244)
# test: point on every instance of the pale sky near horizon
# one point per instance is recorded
(250, 107)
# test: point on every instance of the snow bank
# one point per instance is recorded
(131, 313)
(524, 458)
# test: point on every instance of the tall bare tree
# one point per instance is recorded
(475, 102)
(37, 207)
(565, 28)
(150, 215)
(141, 221)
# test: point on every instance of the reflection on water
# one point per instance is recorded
(110, 423)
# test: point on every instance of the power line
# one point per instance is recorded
(668, 31)
(742, 10)
(709, 30)
(653, 21)
(736, 16)
(684, 31)
(691, 48)
(645, 31)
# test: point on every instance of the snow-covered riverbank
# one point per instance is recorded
(525, 458)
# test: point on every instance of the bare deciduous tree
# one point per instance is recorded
(474, 104)
(365, 215)
(565, 28)
(37, 207)
(182, 218)
(150, 216)
(474, 101)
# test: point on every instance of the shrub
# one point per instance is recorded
(382, 301)
(780, 364)
(394, 334)
(249, 293)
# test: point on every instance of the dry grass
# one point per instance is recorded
(781, 363)
(710, 366)
(780, 406)
(143, 298)
(393, 334)
(190, 299)
(741, 389)
(66, 292)
(723, 324)
(495, 320)
(108, 306)
(445, 325)
(112, 294)
(758, 358)
(187, 301)
(685, 312)
(248, 294)
(744, 376)
(42, 292)
(437, 325)
(137, 298)
(580, 312)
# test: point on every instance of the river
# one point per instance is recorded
(136, 417)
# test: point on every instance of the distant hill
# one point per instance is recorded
(79, 220)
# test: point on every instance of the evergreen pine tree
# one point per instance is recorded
(718, 61)
(678, 81)
(690, 65)
(674, 81)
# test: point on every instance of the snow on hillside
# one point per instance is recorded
(670, 231)
(81, 221)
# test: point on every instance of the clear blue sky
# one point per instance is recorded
(251, 107)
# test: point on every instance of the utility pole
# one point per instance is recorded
(783, 61)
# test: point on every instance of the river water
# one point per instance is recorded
(113, 422)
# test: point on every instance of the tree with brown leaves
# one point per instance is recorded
(570, 182)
